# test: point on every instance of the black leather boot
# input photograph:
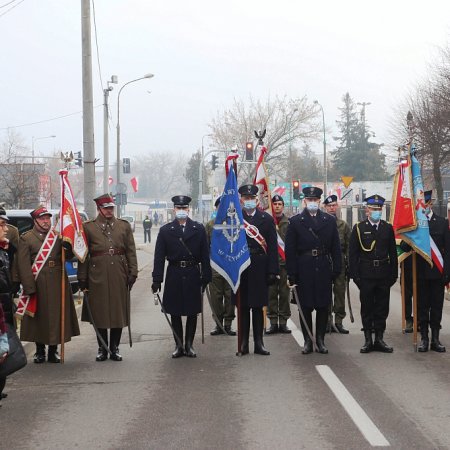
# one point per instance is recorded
(102, 354)
(308, 346)
(245, 328)
(114, 341)
(229, 330)
(368, 343)
(53, 356)
(425, 342)
(379, 345)
(178, 327)
(258, 329)
(283, 329)
(321, 326)
(273, 329)
(436, 346)
(39, 356)
(191, 326)
(216, 331)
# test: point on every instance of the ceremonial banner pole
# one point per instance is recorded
(402, 284)
(63, 301)
(414, 275)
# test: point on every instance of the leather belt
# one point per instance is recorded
(183, 264)
(52, 263)
(376, 262)
(110, 252)
(313, 252)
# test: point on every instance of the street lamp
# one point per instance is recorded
(105, 133)
(148, 75)
(200, 180)
(325, 169)
(33, 140)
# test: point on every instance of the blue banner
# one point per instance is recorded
(229, 251)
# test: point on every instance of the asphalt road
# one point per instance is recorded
(343, 400)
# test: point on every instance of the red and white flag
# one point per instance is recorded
(110, 180)
(134, 184)
(71, 226)
(231, 161)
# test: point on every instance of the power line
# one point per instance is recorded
(96, 44)
(6, 4)
(12, 7)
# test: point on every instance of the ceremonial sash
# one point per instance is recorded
(436, 256)
(280, 243)
(27, 304)
(254, 233)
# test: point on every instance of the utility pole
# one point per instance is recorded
(106, 134)
(88, 110)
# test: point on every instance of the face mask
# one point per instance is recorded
(312, 206)
(375, 216)
(249, 204)
(427, 211)
(214, 215)
(181, 214)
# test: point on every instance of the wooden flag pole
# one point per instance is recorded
(63, 300)
(402, 283)
(414, 275)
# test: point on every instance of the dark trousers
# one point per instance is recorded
(430, 302)
(408, 292)
(148, 234)
(374, 298)
(114, 337)
(2, 384)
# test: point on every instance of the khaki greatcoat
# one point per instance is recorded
(107, 275)
(45, 326)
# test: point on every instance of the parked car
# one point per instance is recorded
(21, 219)
(131, 220)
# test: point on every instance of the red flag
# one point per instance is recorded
(71, 228)
(231, 161)
(134, 184)
(110, 180)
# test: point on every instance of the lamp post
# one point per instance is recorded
(105, 133)
(148, 75)
(325, 168)
(291, 173)
(200, 180)
(33, 140)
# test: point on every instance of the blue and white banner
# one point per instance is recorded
(229, 251)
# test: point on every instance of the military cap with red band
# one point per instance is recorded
(39, 212)
(104, 201)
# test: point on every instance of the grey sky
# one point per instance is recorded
(205, 53)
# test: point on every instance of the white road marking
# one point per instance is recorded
(368, 429)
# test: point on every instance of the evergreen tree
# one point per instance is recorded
(355, 155)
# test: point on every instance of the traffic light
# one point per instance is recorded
(363, 194)
(296, 189)
(120, 199)
(214, 162)
(126, 165)
(78, 159)
(249, 151)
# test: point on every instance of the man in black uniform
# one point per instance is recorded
(374, 269)
(313, 260)
(183, 243)
(263, 270)
(431, 282)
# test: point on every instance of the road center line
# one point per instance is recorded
(368, 429)
(296, 333)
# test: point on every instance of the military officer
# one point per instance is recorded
(40, 274)
(279, 309)
(431, 281)
(263, 270)
(374, 269)
(313, 260)
(220, 291)
(339, 283)
(183, 243)
(108, 274)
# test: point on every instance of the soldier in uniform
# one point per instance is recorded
(108, 274)
(183, 243)
(279, 309)
(263, 270)
(374, 269)
(339, 283)
(313, 260)
(45, 327)
(220, 292)
(431, 282)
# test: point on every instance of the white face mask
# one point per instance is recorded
(181, 214)
(312, 206)
(249, 204)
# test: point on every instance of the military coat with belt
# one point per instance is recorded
(45, 326)
(189, 248)
(110, 261)
(254, 288)
(373, 254)
(305, 237)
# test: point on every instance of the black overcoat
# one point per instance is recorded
(182, 287)
(361, 262)
(254, 289)
(313, 274)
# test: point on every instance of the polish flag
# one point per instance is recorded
(134, 184)
(110, 180)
